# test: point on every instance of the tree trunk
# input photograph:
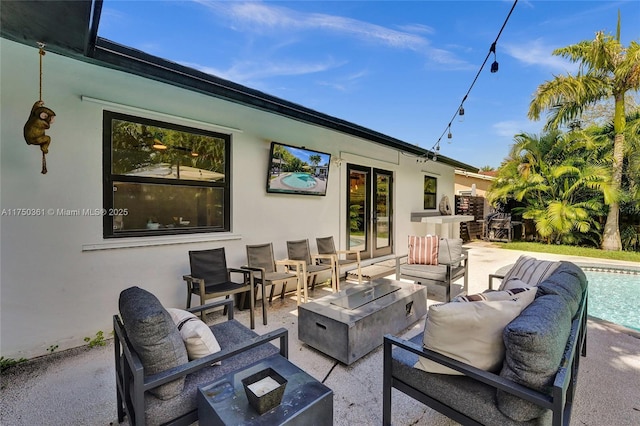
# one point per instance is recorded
(611, 237)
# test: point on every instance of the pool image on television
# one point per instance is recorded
(297, 170)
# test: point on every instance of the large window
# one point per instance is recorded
(430, 192)
(160, 178)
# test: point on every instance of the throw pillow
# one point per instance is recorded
(154, 337)
(197, 336)
(530, 270)
(507, 294)
(423, 250)
(470, 332)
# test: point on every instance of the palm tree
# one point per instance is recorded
(607, 69)
(558, 179)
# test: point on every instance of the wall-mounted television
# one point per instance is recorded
(297, 170)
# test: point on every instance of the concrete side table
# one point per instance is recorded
(306, 401)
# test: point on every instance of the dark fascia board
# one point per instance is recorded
(114, 55)
(61, 25)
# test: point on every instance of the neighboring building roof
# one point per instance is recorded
(70, 28)
(480, 175)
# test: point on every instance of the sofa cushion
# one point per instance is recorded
(423, 250)
(530, 270)
(471, 332)
(450, 250)
(569, 282)
(196, 335)
(535, 342)
(229, 334)
(464, 394)
(154, 337)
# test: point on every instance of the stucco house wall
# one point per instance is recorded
(60, 279)
(466, 182)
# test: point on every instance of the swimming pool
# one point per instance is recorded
(299, 180)
(613, 296)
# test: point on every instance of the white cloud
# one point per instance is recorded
(537, 53)
(246, 72)
(260, 17)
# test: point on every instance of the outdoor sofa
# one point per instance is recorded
(536, 383)
(156, 384)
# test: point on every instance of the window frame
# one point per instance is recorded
(109, 179)
(425, 193)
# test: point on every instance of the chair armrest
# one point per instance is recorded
(298, 265)
(218, 303)
(253, 269)
(166, 376)
(483, 376)
(316, 257)
(192, 280)
(491, 277)
(463, 258)
(245, 273)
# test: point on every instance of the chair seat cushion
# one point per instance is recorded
(314, 269)
(228, 333)
(154, 336)
(430, 272)
(279, 276)
(468, 396)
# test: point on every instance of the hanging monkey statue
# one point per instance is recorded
(39, 120)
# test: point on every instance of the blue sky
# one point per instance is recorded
(398, 67)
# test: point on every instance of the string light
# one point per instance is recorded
(460, 109)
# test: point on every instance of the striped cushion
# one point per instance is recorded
(529, 270)
(489, 295)
(423, 250)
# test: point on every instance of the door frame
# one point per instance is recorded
(370, 244)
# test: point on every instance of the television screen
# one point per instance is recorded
(294, 170)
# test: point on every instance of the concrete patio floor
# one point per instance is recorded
(77, 387)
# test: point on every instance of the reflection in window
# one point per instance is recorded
(164, 179)
(430, 192)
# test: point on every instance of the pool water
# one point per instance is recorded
(614, 297)
(300, 180)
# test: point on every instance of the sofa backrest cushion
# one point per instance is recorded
(535, 342)
(471, 332)
(153, 336)
(530, 270)
(450, 250)
(567, 281)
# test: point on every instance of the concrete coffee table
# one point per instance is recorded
(351, 323)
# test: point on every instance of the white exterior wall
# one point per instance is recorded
(60, 280)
